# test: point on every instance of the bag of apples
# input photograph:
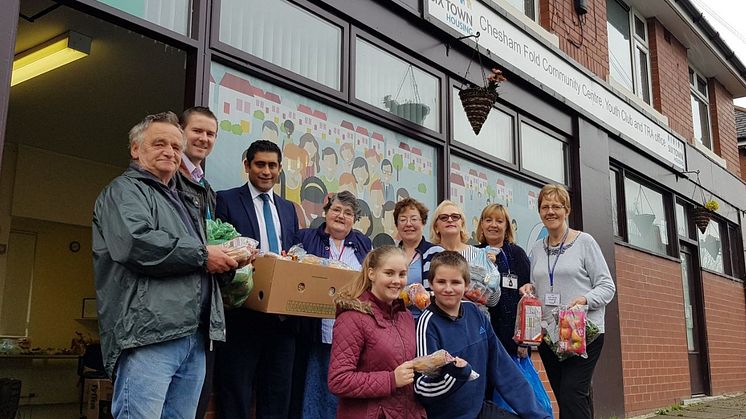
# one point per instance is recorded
(572, 323)
(528, 321)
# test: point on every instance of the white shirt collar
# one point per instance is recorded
(256, 192)
(195, 172)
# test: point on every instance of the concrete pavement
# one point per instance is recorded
(721, 407)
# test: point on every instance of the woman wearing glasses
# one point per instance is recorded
(336, 240)
(410, 216)
(568, 268)
(449, 231)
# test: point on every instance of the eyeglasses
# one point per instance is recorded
(446, 217)
(410, 220)
(336, 211)
(555, 208)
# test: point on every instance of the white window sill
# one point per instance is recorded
(621, 89)
(536, 27)
(709, 153)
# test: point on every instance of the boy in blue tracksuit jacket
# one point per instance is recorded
(466, 333)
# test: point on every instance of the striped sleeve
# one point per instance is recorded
(426, 258)
(430, 389)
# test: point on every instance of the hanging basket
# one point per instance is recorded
(702, 217)
(477, 103)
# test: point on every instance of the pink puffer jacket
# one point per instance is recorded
(370, 340)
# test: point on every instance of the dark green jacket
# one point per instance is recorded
(147, 268)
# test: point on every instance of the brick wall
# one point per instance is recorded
(723, 118)
(725, 313)
(654, 349)
(669, 68)
(589, 46)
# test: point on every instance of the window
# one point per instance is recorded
(613, 182)
(394, 85)
(285, 35)
(647, 223)
(682, 221)
(629, 56)
(542, 153)
(171, 14)
(496, 136)
(324, 150)
(528, 7)
(711, 248)
(473, 187)
(700, 108)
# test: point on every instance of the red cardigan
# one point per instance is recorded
(370, 340)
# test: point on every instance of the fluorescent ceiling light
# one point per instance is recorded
(52, 54)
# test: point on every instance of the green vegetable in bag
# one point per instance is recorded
(237, 291)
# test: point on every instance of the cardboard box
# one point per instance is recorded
(98, 393)
(295, 288)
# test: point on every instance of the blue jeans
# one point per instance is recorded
(162, 380)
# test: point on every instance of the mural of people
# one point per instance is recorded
(382, 239)
(309, 143)
(348, 155)
(374, 161)
(294, 159)
(376, 206)
(362, 177)
(389, 227)
(347, 183)
(364, 222)
(313, 195)
(329, 165)
(401, 194)
(387, 169)
(270, 131)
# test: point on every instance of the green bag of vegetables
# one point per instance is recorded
(237, 291)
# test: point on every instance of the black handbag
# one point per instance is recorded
(492, 411)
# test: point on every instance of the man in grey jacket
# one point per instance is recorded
(151, 268)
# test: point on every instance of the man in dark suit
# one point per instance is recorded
(260, 347)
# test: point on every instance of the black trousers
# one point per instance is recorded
(204, 396)
(261, 363)
(571, 379)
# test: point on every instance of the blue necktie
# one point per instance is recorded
(269, 225)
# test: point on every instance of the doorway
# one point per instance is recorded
(699, 373)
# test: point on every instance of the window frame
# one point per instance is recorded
(455, 84)
(440, 134)
(669, 210)
(562, 139)
(636, 43)
(251, 60)
(694, 76)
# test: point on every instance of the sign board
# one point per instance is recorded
(549, 68)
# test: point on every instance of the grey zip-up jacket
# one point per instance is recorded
(147, 267)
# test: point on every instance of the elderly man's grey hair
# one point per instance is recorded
(136, 133)
(345, 198)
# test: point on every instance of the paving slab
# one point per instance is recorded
(722, 407)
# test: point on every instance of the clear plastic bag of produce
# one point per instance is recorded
(571, 331)
(528, 329)
(415, 295)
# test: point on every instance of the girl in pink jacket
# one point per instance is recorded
(374, 340)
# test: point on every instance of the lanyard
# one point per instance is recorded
(559, 252)
(339, 257)
(505, 259)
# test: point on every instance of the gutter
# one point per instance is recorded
(699, 19)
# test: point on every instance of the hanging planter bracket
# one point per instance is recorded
(460, 38)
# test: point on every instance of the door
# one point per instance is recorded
(693, 310)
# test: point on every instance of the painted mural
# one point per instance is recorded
(473, 187)
(324, 150)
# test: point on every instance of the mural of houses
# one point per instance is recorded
(532, 200)
(377, 143)
(312, 121)
(362, 139)
(482, 183)
(346, 132)
(501, 190)
(458, 189)
(236, 95)
(419, 161)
